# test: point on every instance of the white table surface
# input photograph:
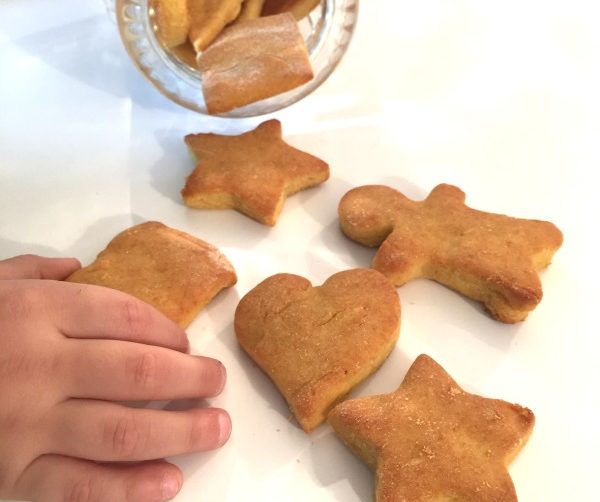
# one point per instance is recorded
(499, 98)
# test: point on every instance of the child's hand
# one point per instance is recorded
(68, 350)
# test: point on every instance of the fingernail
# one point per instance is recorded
(224, 427)
(223, 377)
(169, 486)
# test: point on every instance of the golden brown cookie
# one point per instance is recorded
(171, 21)
(185, 53)
(208, 18)
(489, 257)
(430, 441)
(299, 8)
(253, 172)
(250, 10)
(171, 270)
(317, 343)
(253, 60)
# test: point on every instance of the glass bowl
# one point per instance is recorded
(327, 32)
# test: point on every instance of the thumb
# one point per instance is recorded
(54, 478)
(30, 266)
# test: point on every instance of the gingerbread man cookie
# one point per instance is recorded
(489, 257)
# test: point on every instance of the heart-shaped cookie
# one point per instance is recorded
(317, 343)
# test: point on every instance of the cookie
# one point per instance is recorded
(176, 273)
(489, 257)
(171, 21)
(252, 173)
(317, 343)
(185, 53)
(250, 10)
(299, 8)
(253, 60)
(432, 441)
(208, 18)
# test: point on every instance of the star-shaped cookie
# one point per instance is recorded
(173, 271)
(430, 441)
(489, 257)
(253, 172)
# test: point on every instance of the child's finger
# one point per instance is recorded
(54, 478)
(88, 311)
(112, 370)
(103, 431)
(30, 266)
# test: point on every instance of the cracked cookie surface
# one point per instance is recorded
(317, 343)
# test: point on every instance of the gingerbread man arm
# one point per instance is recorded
(446, 195)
